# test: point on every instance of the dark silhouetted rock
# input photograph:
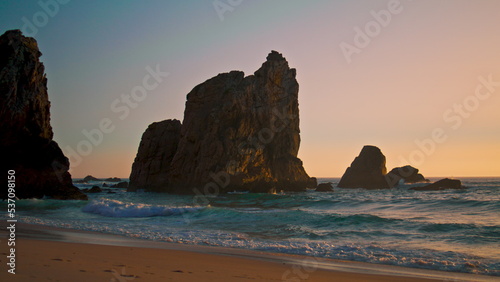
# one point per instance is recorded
(238, 133)
(89, 178)
(156, 151)
(113, 179)
(313, 182)
(26, 144)
(366, 171)
(408, 173)
(123, 184)
(105, 185)
(94, 189)
(442, 184)
(324, 187)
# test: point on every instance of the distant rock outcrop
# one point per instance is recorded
(238, 133)
(442, 184)
(89, 178)
(26, 144)
(324, 187)
(366, 171)
(408, 173)
(113, 179)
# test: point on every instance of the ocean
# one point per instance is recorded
(451, 230)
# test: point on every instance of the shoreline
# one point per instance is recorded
(53, 245)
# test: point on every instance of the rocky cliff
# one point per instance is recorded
(238, 133)
(156, 151)
(366, 171)
(26, 144)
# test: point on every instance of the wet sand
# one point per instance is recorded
(54, 254)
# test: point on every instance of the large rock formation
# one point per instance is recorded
(238, 133)
(408, 173)
(154, 157)
(26, 144)
(366, 171)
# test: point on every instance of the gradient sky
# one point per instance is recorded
(421, 65)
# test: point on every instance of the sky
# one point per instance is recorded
(418, 79)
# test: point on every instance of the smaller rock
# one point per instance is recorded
(94, 189)
(442, 184)
(408, 173)
(366, 171)
(123, 184)
(113, 179)
(90, 178)
(325, 187)
(313, 182)
(105, 185)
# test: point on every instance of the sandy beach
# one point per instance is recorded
(52, 254)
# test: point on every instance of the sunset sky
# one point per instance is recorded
(418, 79)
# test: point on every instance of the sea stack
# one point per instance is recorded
(238, 133)
(366, 171)
(156, 151)
(26, 144)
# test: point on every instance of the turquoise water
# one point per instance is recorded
(454, 230)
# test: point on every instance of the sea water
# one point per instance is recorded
(451, 230)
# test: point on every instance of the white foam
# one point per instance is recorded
(115, 208)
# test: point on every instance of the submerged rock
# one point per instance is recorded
(238, 133)
(94, 189)
(442, 184)
(26, 144)
(366, 171)
(408, 173)
(324, 187)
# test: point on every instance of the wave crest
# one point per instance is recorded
(115, 208)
